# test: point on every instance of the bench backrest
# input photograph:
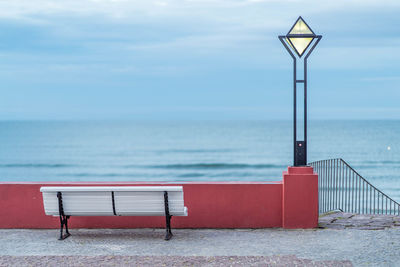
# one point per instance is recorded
(128, 200)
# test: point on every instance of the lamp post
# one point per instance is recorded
(300, 39)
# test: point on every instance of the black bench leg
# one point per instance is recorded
(66, 226)
(63, 218)
(168, 235)
(61, 229)
(64, 221)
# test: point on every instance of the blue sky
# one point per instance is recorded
(194, 59)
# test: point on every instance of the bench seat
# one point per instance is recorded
(66, 201)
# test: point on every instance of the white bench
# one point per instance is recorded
(113, 201)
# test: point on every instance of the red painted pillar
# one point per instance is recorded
(300, 198)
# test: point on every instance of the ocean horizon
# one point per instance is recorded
(123, 150)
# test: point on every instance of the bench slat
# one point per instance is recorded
(130, 204)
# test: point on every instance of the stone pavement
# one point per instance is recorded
(341, 240)
(151, 261)
(341, 220)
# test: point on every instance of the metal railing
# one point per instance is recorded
(340, 187)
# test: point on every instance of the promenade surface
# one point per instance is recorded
(342, 240)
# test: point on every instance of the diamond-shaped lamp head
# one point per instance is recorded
(300, 36)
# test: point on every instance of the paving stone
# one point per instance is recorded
(371, 227)
(334, 226)
(345, 215)
(361, 217)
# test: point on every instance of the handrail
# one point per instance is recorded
(340, 187)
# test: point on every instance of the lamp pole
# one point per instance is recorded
(299, 39)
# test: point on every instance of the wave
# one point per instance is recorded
(95, 175)
(35, 165)
(196, 150)
(215, 166)
(231, 175)
(191, 175)
(382, 162)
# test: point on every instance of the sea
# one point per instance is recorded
(192, 150)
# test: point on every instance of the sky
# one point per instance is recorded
(195, 60)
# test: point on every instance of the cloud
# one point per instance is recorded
(167, 36)
(219, 11)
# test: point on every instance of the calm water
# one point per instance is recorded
(191, 151)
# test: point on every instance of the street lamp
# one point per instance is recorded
(299, 39)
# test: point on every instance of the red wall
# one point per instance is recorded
(210, 205)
